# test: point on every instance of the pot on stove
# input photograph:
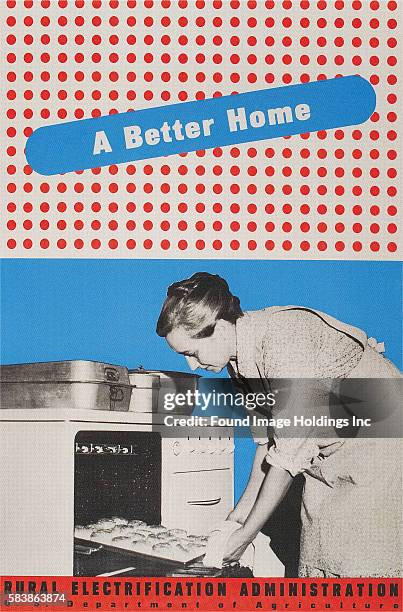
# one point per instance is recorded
(150, 388)
(145, 390)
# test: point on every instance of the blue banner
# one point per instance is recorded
(205, 124)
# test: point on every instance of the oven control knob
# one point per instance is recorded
(176, 448)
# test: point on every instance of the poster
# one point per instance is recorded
(150, 141)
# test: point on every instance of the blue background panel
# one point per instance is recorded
(107, 310)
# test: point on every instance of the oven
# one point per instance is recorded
(64, 468)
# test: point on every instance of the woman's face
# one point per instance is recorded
(212, 353)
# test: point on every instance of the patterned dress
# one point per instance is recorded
(351, 504)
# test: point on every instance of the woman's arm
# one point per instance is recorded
(241, 511)
(273, 490)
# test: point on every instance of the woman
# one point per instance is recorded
(351, 500)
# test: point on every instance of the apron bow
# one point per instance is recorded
(378, 346)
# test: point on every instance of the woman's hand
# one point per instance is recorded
(236, 546)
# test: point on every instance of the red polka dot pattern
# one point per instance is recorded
(322, 195)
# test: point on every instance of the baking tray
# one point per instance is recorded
(139, 555)
(76, 384)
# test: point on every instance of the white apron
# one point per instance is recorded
(351, 503)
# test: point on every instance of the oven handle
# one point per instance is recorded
(86, 550)
(204, 502)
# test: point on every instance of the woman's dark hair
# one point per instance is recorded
(196, 304)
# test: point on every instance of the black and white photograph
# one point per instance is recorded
(131, 470)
